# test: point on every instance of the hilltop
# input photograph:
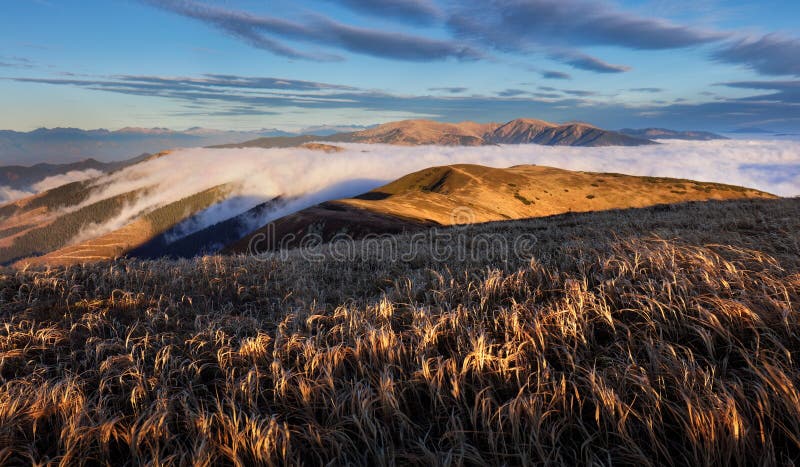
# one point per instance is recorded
(442, 196)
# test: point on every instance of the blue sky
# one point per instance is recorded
(248, 64)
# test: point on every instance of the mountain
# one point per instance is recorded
(662, 133)
(524, 131)
(428, 132)
(447, 195)
(74, 145)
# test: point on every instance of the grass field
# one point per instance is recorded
(657, 336)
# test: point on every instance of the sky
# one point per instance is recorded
(288, 64)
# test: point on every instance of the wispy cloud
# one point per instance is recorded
(550, 74)
(772, 54)
(588, 63)
(450, 90)
(261, 31)
(417, 11)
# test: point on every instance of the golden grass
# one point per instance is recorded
(664, 336)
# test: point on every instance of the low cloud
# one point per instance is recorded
(304, 177)
(8, 194)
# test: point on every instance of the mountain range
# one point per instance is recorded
(72, 145)
(68, 145)
(429, 132)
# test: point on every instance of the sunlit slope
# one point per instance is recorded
(466, 193)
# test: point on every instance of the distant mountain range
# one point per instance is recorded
(66, 145)
(663, 133)
(428, 132)
(72, 145)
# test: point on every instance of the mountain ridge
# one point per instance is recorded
(430, 132)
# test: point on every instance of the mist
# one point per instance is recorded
(8, 194)
(304, 177)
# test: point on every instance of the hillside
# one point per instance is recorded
(65, 241)
(655, 336)
(663, 133)
(472, 193)
(428, 132)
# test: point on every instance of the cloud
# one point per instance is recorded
(518, 24)
(588, 63)
(772, 54)
(8, 194)
(578, 92)
(784, 91)
(648, 90)
(55, 181)
(549, 74)
(416, 11)
(260, 30)
(512, 92)
(304, 177)
(16, 62)
(450, 90)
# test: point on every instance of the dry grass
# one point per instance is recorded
(653, 337)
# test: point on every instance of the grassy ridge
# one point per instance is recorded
(633, 337)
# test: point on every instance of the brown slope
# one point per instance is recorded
(470, 193)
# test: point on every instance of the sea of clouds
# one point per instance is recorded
(306, 177)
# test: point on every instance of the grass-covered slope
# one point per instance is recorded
(658, 336)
